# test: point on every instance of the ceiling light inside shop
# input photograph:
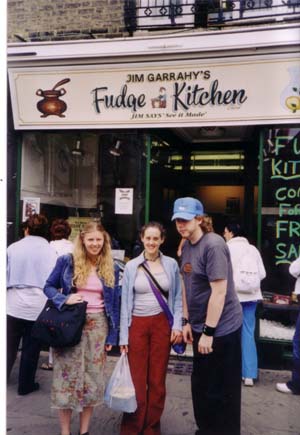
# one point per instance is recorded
(78, 151)
(116, 150)
(224, 161)
(220, 156)
(217, 168)
(212, 132)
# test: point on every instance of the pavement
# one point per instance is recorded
(264, 411)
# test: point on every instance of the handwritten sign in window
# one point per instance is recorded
(281, 205)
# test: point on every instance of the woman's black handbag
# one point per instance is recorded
(60, 328)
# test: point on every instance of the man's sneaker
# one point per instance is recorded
(283, 388)
(248, 382)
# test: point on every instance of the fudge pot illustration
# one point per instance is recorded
(51, 104)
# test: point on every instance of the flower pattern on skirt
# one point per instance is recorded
(78, 372)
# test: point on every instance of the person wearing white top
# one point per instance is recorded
(293, 385)
(29, 262)
(239, 246)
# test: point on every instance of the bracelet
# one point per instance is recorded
(208, 330)
(184, 321)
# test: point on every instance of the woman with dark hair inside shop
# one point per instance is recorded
(60, 232)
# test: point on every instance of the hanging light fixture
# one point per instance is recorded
(116, 150)
(78, 151)
(212, 132)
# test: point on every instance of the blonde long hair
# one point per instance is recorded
(104, 262)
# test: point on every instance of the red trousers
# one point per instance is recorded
(148, 355)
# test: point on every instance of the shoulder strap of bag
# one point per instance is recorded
(165, 294)
(156, 290)
(73, 288)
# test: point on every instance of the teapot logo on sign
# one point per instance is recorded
(51, 104)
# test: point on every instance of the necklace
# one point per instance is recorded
(152, 259)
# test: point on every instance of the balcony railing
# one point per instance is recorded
(172, 14)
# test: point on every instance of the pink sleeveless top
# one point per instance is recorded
(92, 292)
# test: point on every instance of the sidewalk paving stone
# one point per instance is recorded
(264, 411)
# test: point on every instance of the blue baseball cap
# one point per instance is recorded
(187, 208)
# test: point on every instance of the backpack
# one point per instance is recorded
(246, 274)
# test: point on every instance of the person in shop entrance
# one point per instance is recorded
(293, 385)
(240, 249)
(145, 332)
(212, 321)
(78, 371)
(29, 262)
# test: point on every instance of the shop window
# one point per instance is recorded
(280, 206)
(60, 169)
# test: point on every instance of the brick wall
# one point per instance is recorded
(39, 20)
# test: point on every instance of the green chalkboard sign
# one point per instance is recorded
(280, 207)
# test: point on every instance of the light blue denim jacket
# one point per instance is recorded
(174, 300)
(61, 278)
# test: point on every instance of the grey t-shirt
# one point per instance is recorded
(201, 263)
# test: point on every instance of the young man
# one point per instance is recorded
(212, 321)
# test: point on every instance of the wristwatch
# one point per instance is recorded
(208, 330)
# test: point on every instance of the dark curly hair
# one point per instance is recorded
(60, 229)
(37, 225)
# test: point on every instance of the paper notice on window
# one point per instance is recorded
(30, 206)
(123, 200)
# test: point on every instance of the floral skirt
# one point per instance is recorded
(78, 372)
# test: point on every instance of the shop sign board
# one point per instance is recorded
(252, 91)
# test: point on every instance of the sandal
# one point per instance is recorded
(46, 366)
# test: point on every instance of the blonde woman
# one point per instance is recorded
(78, 371)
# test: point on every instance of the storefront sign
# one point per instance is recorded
(181, 94)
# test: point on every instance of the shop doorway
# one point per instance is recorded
(217, 165)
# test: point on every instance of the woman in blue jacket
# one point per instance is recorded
(78, 371)
(145, 332)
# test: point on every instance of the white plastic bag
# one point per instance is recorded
(120, 393)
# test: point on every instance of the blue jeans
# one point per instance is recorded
(294, 383)
(249, 353)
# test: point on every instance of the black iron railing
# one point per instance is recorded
(164, 14)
